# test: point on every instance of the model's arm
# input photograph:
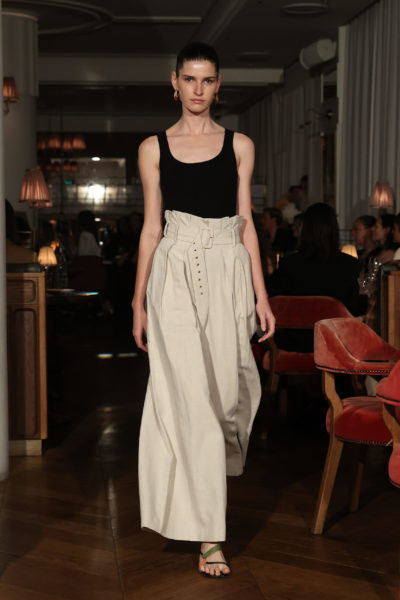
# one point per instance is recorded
(244, 151)
(149, 158)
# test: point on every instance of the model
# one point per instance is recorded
(194, 311)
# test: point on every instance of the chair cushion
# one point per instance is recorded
(394, 467)
(292, 363)
(360, 421)
(388, 389)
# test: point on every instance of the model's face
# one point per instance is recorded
(379, 232)
(359, 232)
(396, 233)
(197, 83)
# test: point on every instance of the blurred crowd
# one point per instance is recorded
(300, 253)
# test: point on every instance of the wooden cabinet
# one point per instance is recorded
(26, 345)
(390, 305)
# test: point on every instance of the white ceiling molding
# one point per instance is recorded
(220, 15)
(136, 70)
(92, 17)
(157, 20)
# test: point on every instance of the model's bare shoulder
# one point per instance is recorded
(242, 142)
(243, 147)
(149, 149)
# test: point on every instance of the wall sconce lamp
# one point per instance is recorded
(35, 192)
(10, 93)
(382, 196)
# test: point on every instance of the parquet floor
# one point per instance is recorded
(69, 521)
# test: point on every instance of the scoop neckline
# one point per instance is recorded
(201, 162)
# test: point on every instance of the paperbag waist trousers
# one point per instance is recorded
(204, 388)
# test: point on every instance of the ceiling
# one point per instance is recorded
(246, 33)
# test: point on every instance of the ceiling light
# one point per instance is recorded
(305, 7)
(96, 192)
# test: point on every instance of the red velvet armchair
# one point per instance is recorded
(296, 312)
(388, 392)
(351, 347)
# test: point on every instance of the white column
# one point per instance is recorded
(20, 60)
(340, 187)
(3, 313)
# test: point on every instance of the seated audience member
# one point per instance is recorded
(15, 253)
(281, 239)
(383, 236)
(87, 244)
(297, 227)
(47, 233)
(317, 269)
(396, 236)
(288, 204)
(267, 255)
(303, 200)
(362, 232)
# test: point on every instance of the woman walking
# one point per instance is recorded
(198, 282)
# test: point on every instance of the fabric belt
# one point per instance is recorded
(201, 239)
(204, 236)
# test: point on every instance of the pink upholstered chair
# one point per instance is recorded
(295, 312)
(388, 392)
(351, 347)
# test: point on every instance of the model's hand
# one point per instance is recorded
(267, 319)
(140, 327)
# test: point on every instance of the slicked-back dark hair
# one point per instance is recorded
(320, 233)
(197, 51)
(367, 220)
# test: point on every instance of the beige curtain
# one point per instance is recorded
(285, 129)
(370, 123)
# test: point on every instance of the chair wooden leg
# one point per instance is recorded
(356, 488)
(328, 480)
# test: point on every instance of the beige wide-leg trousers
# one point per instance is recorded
(204, 387)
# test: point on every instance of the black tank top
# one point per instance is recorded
(206, 189)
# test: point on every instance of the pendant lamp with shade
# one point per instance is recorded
(35, 192)
(34, 189)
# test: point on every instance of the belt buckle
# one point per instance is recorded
(209, 240)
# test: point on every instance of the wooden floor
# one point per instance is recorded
(69, 521)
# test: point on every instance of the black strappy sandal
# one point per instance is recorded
(204, 561)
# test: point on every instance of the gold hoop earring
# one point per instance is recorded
(216, 98)
(176, 95)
